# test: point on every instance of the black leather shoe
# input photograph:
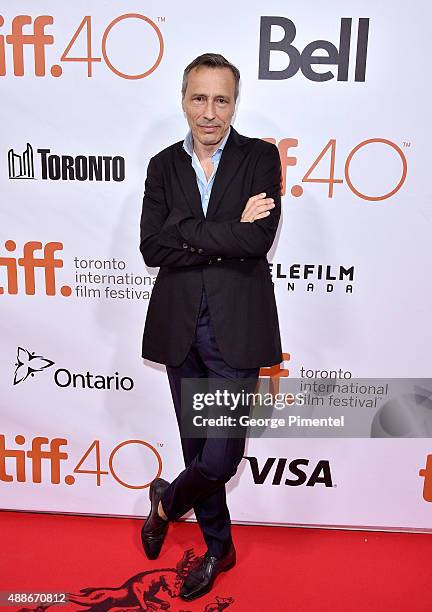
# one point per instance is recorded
(200, 580)
(155, 528)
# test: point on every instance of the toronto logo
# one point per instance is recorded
(156, 589)
(28, 364)
(60, 167)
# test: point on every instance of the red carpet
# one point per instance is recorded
(278, 569)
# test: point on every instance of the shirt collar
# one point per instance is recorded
(188, 142)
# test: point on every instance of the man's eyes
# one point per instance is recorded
(199, 98)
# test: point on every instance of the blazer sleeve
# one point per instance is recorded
(153, 216)
(231, 238)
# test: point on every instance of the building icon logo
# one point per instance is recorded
(21, 166)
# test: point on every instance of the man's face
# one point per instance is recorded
(209, 103)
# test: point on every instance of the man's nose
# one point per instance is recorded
(210, 110)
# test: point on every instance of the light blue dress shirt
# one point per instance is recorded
(204, 186)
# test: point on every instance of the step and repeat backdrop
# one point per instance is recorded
(89, 92)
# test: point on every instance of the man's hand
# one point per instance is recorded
(257, 207)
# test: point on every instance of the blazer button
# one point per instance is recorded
(200, 251)
(185, 246)
(241, 258)
(192, 249)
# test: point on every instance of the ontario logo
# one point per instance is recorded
(28, 363)
(56, 167)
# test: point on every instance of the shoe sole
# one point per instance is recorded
(209, 588)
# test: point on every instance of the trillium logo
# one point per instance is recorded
(29, 363)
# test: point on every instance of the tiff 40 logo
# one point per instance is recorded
(44, 456)
(26, 32)
(384, 151)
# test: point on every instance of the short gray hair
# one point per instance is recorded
(212, 60)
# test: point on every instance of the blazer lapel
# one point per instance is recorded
(230, 160)
(232, 155)
(187, 178)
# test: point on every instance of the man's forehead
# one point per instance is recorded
(205, 84)
(203, 74)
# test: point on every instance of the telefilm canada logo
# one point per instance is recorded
(29, 363)
(313, 277)
(59, 167)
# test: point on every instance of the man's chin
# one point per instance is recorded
(209, 138)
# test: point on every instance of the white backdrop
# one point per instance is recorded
(379, 328)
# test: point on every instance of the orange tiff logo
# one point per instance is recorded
(426, 473)
(17, 39)
(47, 453)
(37, 39)
(29, 263)
(52, 454)
(323, 168)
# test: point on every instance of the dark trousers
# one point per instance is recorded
(210, 462)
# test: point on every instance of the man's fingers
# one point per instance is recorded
(251, 215)
(253, 199)
(257, 212)
(262, 215)
(251, 218)
(258, 208)
(258, 205)
(262, 206)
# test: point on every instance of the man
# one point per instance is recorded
(210, 213)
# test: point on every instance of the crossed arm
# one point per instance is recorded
(177, 238)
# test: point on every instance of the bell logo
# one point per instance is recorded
(426, 473)
(304, 60)
(29, 263)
